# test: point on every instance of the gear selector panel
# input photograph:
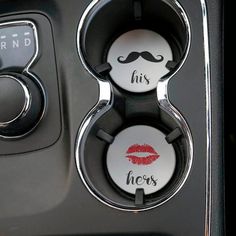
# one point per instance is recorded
(17, 44)
(27, 104)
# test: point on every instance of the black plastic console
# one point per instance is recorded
(111, 118)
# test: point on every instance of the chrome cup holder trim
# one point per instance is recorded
(105, 101)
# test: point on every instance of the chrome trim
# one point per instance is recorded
(27, 102)
(79, 40)
(208, 120)
(106, 99)
(27, 72)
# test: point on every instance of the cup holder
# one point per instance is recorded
(133, 165)
(134, 42)
(133, 151)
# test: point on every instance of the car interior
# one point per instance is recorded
(115, 118)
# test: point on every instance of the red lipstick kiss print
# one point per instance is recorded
(135, 152)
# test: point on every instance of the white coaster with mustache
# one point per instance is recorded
(141, 158)
(138, 59)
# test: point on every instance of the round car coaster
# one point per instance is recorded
(138, 59)
(141, 158)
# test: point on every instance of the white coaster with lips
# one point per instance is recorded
(140, 157)
(138, 59)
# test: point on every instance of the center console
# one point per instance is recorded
(110, 118)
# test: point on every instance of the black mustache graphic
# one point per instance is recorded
(133, 56)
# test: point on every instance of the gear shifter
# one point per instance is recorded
(21, 105)
(22, 96)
